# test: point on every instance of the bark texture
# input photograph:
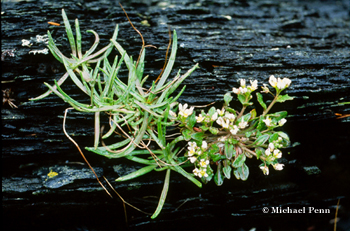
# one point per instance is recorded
(306, 41)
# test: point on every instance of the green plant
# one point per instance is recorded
(142, 116)
(227, 137)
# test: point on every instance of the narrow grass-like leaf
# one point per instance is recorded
(170, 64)
(137, 173)
(74, 77)
(97, 129)
(163, 195)
(59, 82)
(94, 45)
(78, 36)
(180, 170)
(69, 33)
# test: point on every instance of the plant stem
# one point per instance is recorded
(270, 106)
(241, 113)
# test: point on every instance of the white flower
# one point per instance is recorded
(183, 111)
(199, 118)
(226, 123)
(221, 139)
(203, 163)
(191, 148)
(265, 169)
(242, 82)
(269, 150)
(196, 172)
(273, 81)
(277, 153)
(192, 144)
(240, 90)
(268, 121)
(203, 172)
(234, 130)
(242, 124)
(221, 112)
(230, 116)
(191, 151)
(265, 89)
(192, 159)
(204, 145)
(282, 121)
(279, 83)
(253, 85)
(286, 82)
(283, 83)
(243, 90)
(235, 90)
(278, 166)
(214, 117)
(220, 121)
(173, 114)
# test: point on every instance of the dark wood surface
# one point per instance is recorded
(306, 41)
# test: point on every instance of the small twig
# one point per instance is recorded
(122, 199)
(86, 161)
(166, 56)
(143, 41)
(336, 216)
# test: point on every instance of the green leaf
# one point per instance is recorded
(198, 136)
(259, 151)
(261, 125)
(242, 99)
(218, 177)
(187, 134)
(213, 130)
(170, 63)
(69, 33)
(261, 140)
(253, 113)
(214, 148)
(283, 135)
(211, 111)
(135, 174)
(282, 98)
(175, 166)
(191, 120)
(248, 134)
(279, 115)
(228, 150)
(227, 169)
(239, 161)
(227, 98)
(242, 172)
(273, 137)
(163, 195)
(216, 156)
(260, 100)
(246, 117)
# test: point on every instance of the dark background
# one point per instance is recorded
(306, 41)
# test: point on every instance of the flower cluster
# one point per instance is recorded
(227, 137)
(243, 89)
(197, 156)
